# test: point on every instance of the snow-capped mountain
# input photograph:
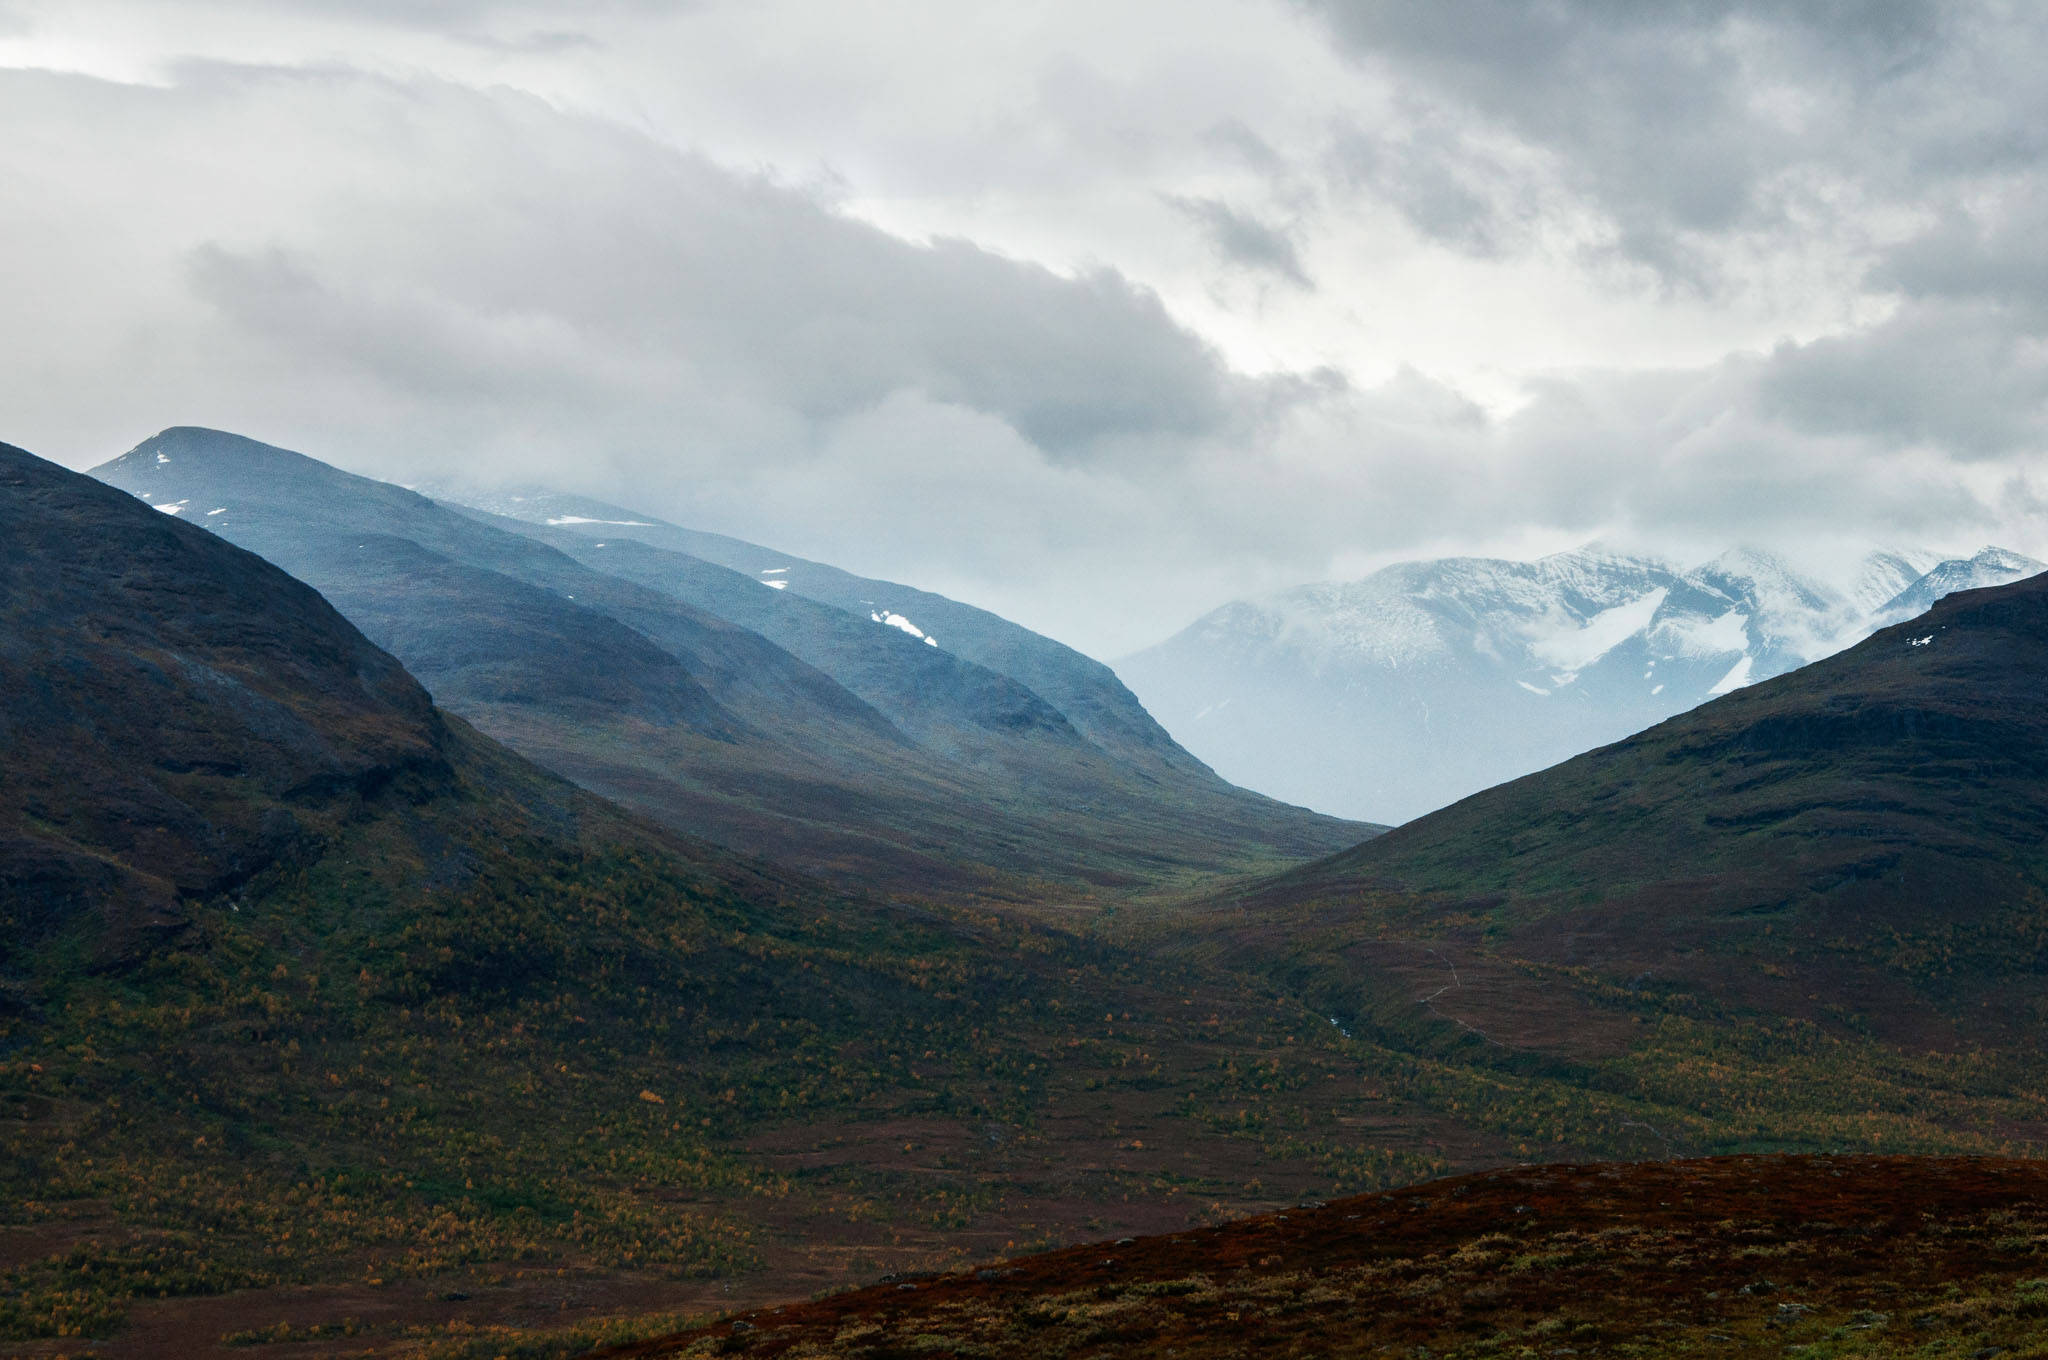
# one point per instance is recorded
(1390, 696)
(1991, 567)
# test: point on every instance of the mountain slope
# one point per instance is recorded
(389, 1004)
(471, 1045)
(1427, 681)
(163, 740)
(1085, 691)
(1859, 839)
(759, 718)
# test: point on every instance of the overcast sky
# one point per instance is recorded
(1095, 312)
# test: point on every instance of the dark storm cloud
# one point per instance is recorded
(1243, 241)
(1682, 122)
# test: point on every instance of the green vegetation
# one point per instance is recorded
(584, 1056)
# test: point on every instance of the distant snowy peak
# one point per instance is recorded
(1887, 573)
(1426, 681)
(1990, 567)
(1747, 614)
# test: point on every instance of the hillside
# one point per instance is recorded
(1398, 694)
(1086, 692)
(307, 983)
(761, 719)
(177, 719)
(322, 1010)
(417, 1045)
(1858, 843)
(1749, 1256)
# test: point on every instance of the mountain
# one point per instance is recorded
(325, 1019)
(1735, 1256)
(1086, 692)
(1859, 842)
(1991, 567)
(1427, 681)
(763, 719)
(314, 997)
(178, 718)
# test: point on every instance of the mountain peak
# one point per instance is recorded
(1429, 680)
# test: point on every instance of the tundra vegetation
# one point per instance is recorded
(327, 1023)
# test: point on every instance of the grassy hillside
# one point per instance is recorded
(1758, 1256)
(1858, 844)
(412, 1017)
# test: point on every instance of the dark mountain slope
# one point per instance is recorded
(1864, 837)
(382, 1001)
(178, 714)
(775, 724)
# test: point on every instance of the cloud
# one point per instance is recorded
(1687, 126)
(458, 15)
(483, 248)
(1243, 241)
(1960, 378)
(420, 276)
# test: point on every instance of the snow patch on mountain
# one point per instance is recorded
(895, 620)
(1569, 643)
(1738, 675)
(1699, 636)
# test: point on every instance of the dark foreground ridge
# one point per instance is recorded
(1727, 1256)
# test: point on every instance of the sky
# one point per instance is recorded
(1097, 314)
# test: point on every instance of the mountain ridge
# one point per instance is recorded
(1428, 681)
(760, 718)
(1862, 833)
(1084, 689)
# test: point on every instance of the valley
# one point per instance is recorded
(535, 940)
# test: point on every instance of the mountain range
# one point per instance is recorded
(1388, 697)
(846, 727)
(327, 1018)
